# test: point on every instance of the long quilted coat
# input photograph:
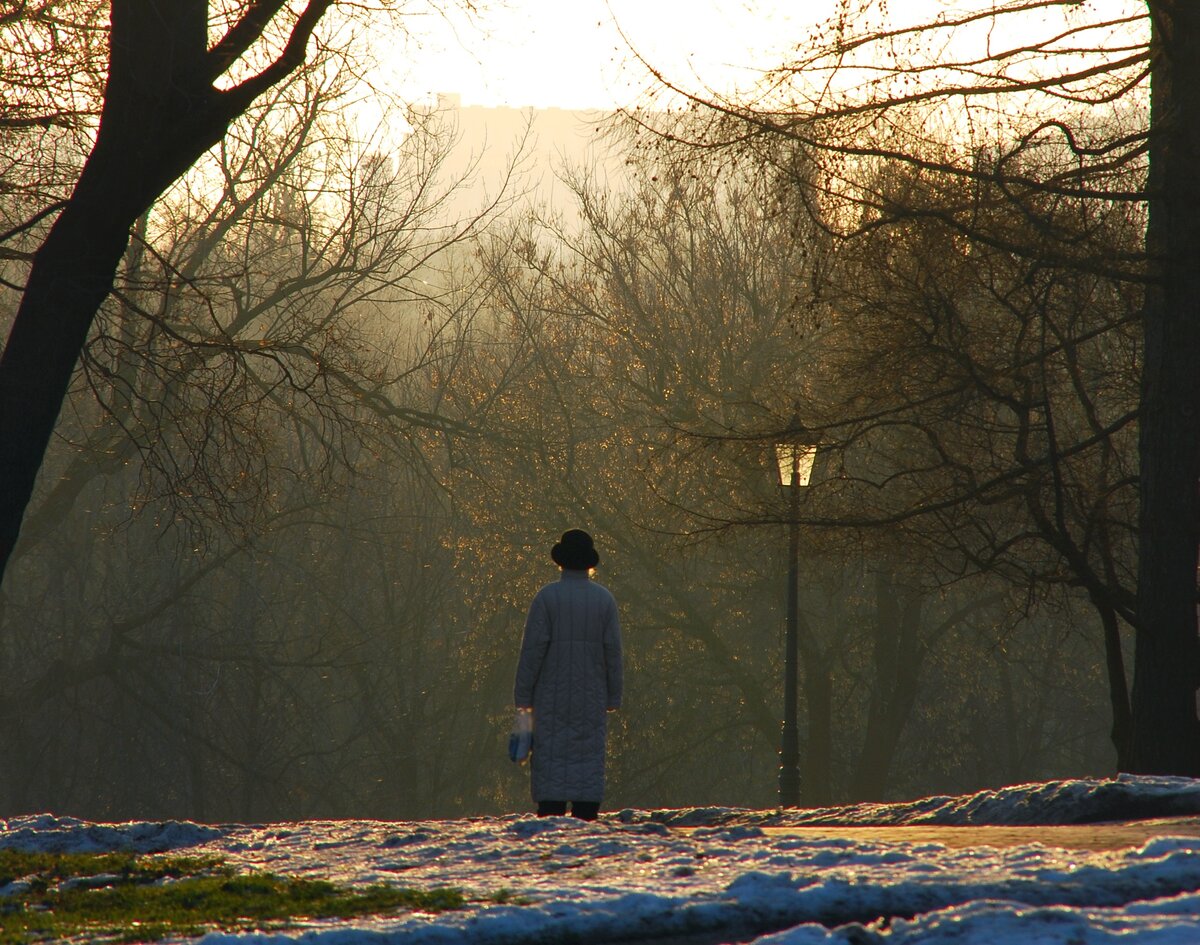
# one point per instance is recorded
(570, 673)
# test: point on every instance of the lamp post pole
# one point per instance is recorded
(794, 456)
(789, 748)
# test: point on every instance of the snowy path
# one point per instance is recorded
(1106, 836)
(630, 878)
(610, 882)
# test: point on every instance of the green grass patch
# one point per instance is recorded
(509, 897)
(49, 868)
(122, 897)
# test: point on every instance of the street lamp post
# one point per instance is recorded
(794, 456)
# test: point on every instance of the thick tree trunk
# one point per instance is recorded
(71, 275)
(1166, 735)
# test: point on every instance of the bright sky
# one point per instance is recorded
(570, 53)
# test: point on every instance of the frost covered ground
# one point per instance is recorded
(721, 875)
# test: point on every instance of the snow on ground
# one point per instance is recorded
(631, 878)
(52, 834)
(1054, 802)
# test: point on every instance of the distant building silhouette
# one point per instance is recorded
(543, 143)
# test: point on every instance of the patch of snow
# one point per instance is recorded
(629, 877)
(991, 922)
(603, 882)
(50, 834)
(1081, 801)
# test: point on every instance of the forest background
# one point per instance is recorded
(325, 427)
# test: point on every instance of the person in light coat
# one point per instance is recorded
(570, 675)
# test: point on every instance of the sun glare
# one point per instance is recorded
(548, 54)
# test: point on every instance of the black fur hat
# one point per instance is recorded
(575, 551)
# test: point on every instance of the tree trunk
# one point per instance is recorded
(72, 273)
(896, 655)
(1166, 735)
(1118, 689)
(816, 785)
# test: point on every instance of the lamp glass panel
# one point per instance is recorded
(795, 462)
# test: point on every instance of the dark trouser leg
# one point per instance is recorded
(553, 808)
(585, 810)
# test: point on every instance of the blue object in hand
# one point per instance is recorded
(519, 746)
(520, 742)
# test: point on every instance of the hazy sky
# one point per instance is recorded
(570, 54)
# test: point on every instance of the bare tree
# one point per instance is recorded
(629, 379)
(168, 99)
(996, 397)
(249, 389)
(998, 81)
